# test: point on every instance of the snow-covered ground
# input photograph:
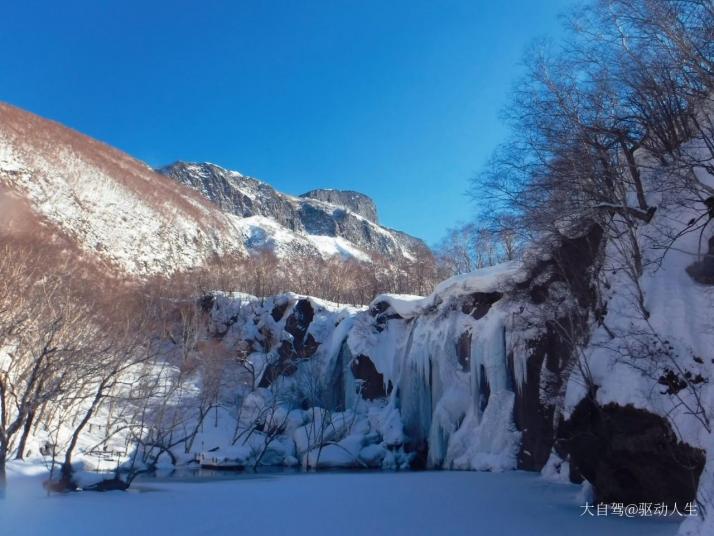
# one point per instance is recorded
(413, 503)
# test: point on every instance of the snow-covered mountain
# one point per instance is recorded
(341, 215)
(134, 219)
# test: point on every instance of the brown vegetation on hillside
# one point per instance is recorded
(347, 281)
(48, 141)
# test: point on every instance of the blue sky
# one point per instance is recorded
(397, 99)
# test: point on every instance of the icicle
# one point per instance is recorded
(415, 388)
(476, 371)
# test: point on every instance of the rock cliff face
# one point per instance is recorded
(354, 201)
(333, 213)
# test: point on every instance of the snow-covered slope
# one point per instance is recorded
(138, 221)
(108, 202)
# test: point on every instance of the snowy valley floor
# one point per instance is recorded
(409, 503)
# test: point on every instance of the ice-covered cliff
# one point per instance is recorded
(499, 369)
(456, 374)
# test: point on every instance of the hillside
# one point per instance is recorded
(137, 221)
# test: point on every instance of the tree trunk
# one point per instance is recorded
(66, 471)
(19, 455)
(635, 175)
(3, 478)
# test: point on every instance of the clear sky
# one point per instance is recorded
(397, 99)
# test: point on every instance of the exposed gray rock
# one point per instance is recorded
(349, 215)
(354, 201)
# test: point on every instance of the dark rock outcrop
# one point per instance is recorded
(630, 455)
(284, 366)
(363, 369)
(297, 325)
(279, 311)
(573, 264)
(302, 346)
(478, 303)
(702, 271)
(354, 201)
(533, 411)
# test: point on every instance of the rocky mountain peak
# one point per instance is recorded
(357, 202)
(339, 214)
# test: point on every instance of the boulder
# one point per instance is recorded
(630, 455)
(702, 271)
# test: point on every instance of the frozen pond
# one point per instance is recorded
(318, 503)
